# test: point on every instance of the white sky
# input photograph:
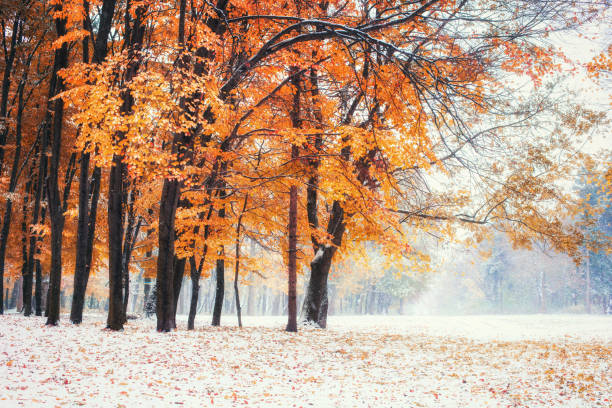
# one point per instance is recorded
(597, 95)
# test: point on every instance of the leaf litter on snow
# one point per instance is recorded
(358, 362)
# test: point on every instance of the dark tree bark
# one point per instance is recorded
(116, 194)
(219, 291)
(80, 280)
(219, 277)
(4, 128)
(315, 301)
(89, 190)
(181, 145)
(115, 240)
(165, 257)
(314, 308)
(237, 263)
(6, 224)
(171, 191)
(179, 272)
(24, 245)
(89, 193)
(80, 265)
(27, 277)
(131, 233)
(53, 194)
(9, 59)
(195, 273)
(296, 122)
(292, 268)
(38, 297)
(40, 192)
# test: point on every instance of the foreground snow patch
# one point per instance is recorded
(534, 361)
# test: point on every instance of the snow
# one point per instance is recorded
(360, 361)
(318, 255)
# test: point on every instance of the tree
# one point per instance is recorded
(596, 222)
(410, 121)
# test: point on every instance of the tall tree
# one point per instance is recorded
(89, 188)
(54, 200)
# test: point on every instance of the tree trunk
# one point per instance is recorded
(16, 33)
(237, 263)
(53, 194)
(80, 279)
(89, 192)
(315, 300)
(182, 145)
(6, 83)
(4, 234)
(292, 268)
(171, 191)
(195, 292)
(24, 249)
(165, 256)
(131, 234)
(38, 296)
(115, 251)
(116, 192)
(40, 192)
(179, 272)
(219, 292)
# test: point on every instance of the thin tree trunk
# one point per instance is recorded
(16, 33)
(38, 296)
(24, 246)
(220, 277)
(81, 269)
(53, 193)
(195, 273)
(80, 279)
(179, 272)
(89, 193)
(237, 263)
(220, 290)
(9, 202)
(131, 233)
(4, 127)
(39, 193)
(296, 123)
(292, 267)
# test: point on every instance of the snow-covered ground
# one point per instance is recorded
(360, 361)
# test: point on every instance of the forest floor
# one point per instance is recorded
(360, 361)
